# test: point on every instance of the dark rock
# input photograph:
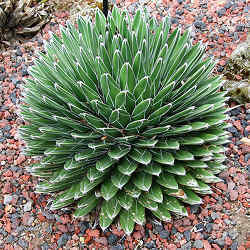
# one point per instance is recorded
(3, 232)
(117, 247)
(240, 28)
(220, 69)
(209, 227)
(2, 77)
(247, 157)
(244, 123)
(63, 240)
(112, 239)
(2, 69)
(246, 9)
(198, 244)
(164, 234)
(195, 209)
(199, 227)
(150, 244)
(83, 226)
(13, 97)
(221, 12)
(234, 246)
(10, 239)
(187, 235)
(23, 243)
(158, 227)
(228, 5)
(180, 1)
(220, 242)
(187, 246)
(44, 246)
(233, 234)
(200, 25)
(174, 20)
(179, 12)
(174, 230)
(19, 52)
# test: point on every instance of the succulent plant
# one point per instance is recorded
(127, 117)
(21, 18)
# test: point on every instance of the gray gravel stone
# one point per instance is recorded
(234, 246)
(214, 216)
(220, 242)
(63, 240)
(23, 243)
(44, 246)
(187, 235)
(233, 234)
(198, 244)
(7, 199)
(164, 234)
(209, 227)
(187, 246)
(28, 206)
(10, 239)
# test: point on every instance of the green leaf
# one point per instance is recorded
(134, 126)
(125, 200)
(118, 152)
(155, 131)
(126, 221)
(183, 155)
(179, 193)
(156, 115)
(108, 190)
(147, 203)
(196, 164)
(177, 169)
(146, 143)
(187, 180)
(127, 166)
(167, 180)
(132, 190)
(118, 179)
(163, 157)
(105, 163)
(191, 198)
(141, 87)
(104, 219)
(83, 210)
(208, 137)
(143, 181)
(153, 169)
(162, 213)
(205, 175)
(112, 207)
(140, 110)
(94, 174)
(155, 193)
(140, 155)
(86, 185)
(173, 205)
(127, 78)
(137, 212)
(191, 140)
(168, 144)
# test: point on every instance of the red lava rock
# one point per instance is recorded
(137, 235)
(230, 185)
(8, 173)
(41, 217)
(27, 219)
(221, 186)
(206, 245)
(233, 195)
(248, 244)
(7, 188)
(93, 232)
(215, 246)
(228, 241)
(241, 248)
(172, 247)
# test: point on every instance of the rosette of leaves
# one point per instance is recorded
(127, 118)
(22, 18)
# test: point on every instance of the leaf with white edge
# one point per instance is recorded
(127, 78)
(146, 143)
(86, 199)
(162, 213)
(168, 144)
(118, 152)
(205, 175)
(104, 219)
(177, 169)
(140, 155)
(94, 174)
(125, 200)
(105, 163)
(126, 221)
(119, 180)
(156, 115)
(191, 140)
(179, 130)
(183, 155)
(86, 185)
(179, 193)
(173, 205)
(153, 169)
(155, 193)
(147, 203)
(132, 190)
(141, 87)
(163, 157)
(143, 181)
(203, 187)
(201, 151)
(134, 126)
(208, 137)
(167, 180)
(196, 164)
(108, 190)
(155, 131)
(196, 126)
(127, 166)
(112, 207)
(192, 198)
(138, 213)
(187, 180)
(140, 109)
(84, 210)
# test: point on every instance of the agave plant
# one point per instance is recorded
(20, 17)
(127, 117)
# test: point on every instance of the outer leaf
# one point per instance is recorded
(167, 180)
(108, 190)
(119, 180)
(127, 166)
(126, 221)
(138, 213)
(163, 157)
(143, 181)
(111, 207)
(140, 155)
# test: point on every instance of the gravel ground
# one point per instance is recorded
(220, 223)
